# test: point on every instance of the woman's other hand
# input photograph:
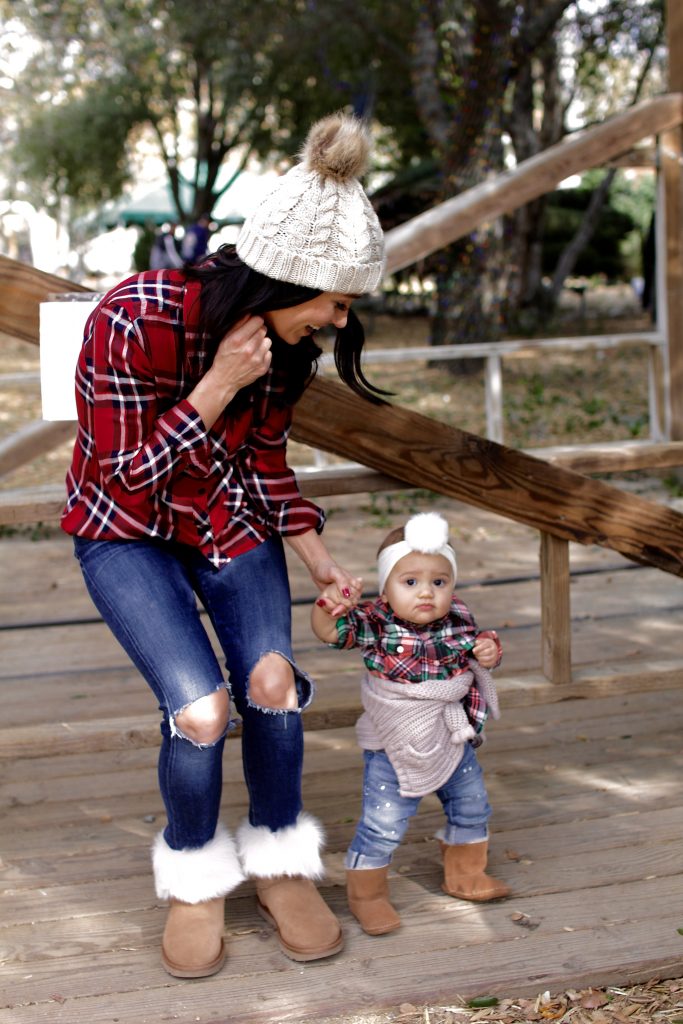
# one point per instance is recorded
(243, 355)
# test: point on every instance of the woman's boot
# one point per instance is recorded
(367, 891)
(195, 882)
(284, 865)
(464, 869)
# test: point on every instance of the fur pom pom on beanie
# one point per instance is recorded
(427, 533)
(317, 227)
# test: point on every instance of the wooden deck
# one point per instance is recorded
(588, 805)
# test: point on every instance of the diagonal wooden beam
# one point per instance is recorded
(22, 289)
(430, 454)
(593, 147)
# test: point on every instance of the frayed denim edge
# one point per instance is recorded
(177, 733)
(300, 677)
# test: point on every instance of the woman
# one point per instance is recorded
(179, 489)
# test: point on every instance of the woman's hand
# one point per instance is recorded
(243, 355)
(327, 572)
(324, 570)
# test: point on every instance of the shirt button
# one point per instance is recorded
(399, 649)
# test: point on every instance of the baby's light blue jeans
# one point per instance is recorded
(386, 814)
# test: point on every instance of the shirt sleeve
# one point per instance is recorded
(355, 629)
(464, 623)
(269, 481)
(137, 447)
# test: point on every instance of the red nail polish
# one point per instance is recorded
(320, 602)
(346, 592)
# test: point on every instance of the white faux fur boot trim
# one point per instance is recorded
(196, 875)
(293, 851)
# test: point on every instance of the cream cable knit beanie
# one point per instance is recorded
(316, 227)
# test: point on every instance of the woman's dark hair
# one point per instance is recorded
(230, 289)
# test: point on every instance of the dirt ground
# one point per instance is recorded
(567, 398)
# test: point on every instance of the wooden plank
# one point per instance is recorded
(45, 504)
(523, 346)
(556, 631)
(104, 780)
(448, 221)
(368, 976)
(22, 289)
(119, 733)
(671, 171)
(452, 462)
(32, 505)
(674, 35)
(33, 440)
(613, 457)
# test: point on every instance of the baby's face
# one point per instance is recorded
(419, 588)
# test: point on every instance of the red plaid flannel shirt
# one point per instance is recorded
(405, 653)
(144, 465)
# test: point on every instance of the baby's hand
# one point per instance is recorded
(335, 601)
(485, 651)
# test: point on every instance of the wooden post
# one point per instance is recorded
(556, 625)
(671, 169)
(494, 398)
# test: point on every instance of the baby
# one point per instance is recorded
(426, 694)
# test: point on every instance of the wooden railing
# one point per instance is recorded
(407, 449)
(493, 353)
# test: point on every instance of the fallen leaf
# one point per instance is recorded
(592, 999)
(512, 855)
(524, 921)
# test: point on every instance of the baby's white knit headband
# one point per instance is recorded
(427, 533)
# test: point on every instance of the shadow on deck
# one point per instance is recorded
(588, 809)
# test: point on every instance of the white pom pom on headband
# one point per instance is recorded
(426, 533)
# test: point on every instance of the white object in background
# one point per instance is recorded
(62, 320)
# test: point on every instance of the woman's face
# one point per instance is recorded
(326, 309)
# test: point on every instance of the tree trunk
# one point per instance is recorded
(571, 252)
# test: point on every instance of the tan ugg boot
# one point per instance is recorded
(195, 882)
(192, 945)
(367, 890)
(465, 875)
(306, 927)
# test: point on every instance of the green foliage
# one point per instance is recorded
(51, 144)
(603, 254)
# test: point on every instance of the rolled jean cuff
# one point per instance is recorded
(359, 861)
(456, 835)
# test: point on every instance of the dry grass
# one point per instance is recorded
(656, 1002)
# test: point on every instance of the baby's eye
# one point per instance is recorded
(342, 307)
(439, 582)
(410, 582)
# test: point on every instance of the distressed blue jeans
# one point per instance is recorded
(386, 814)
(146, 592)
